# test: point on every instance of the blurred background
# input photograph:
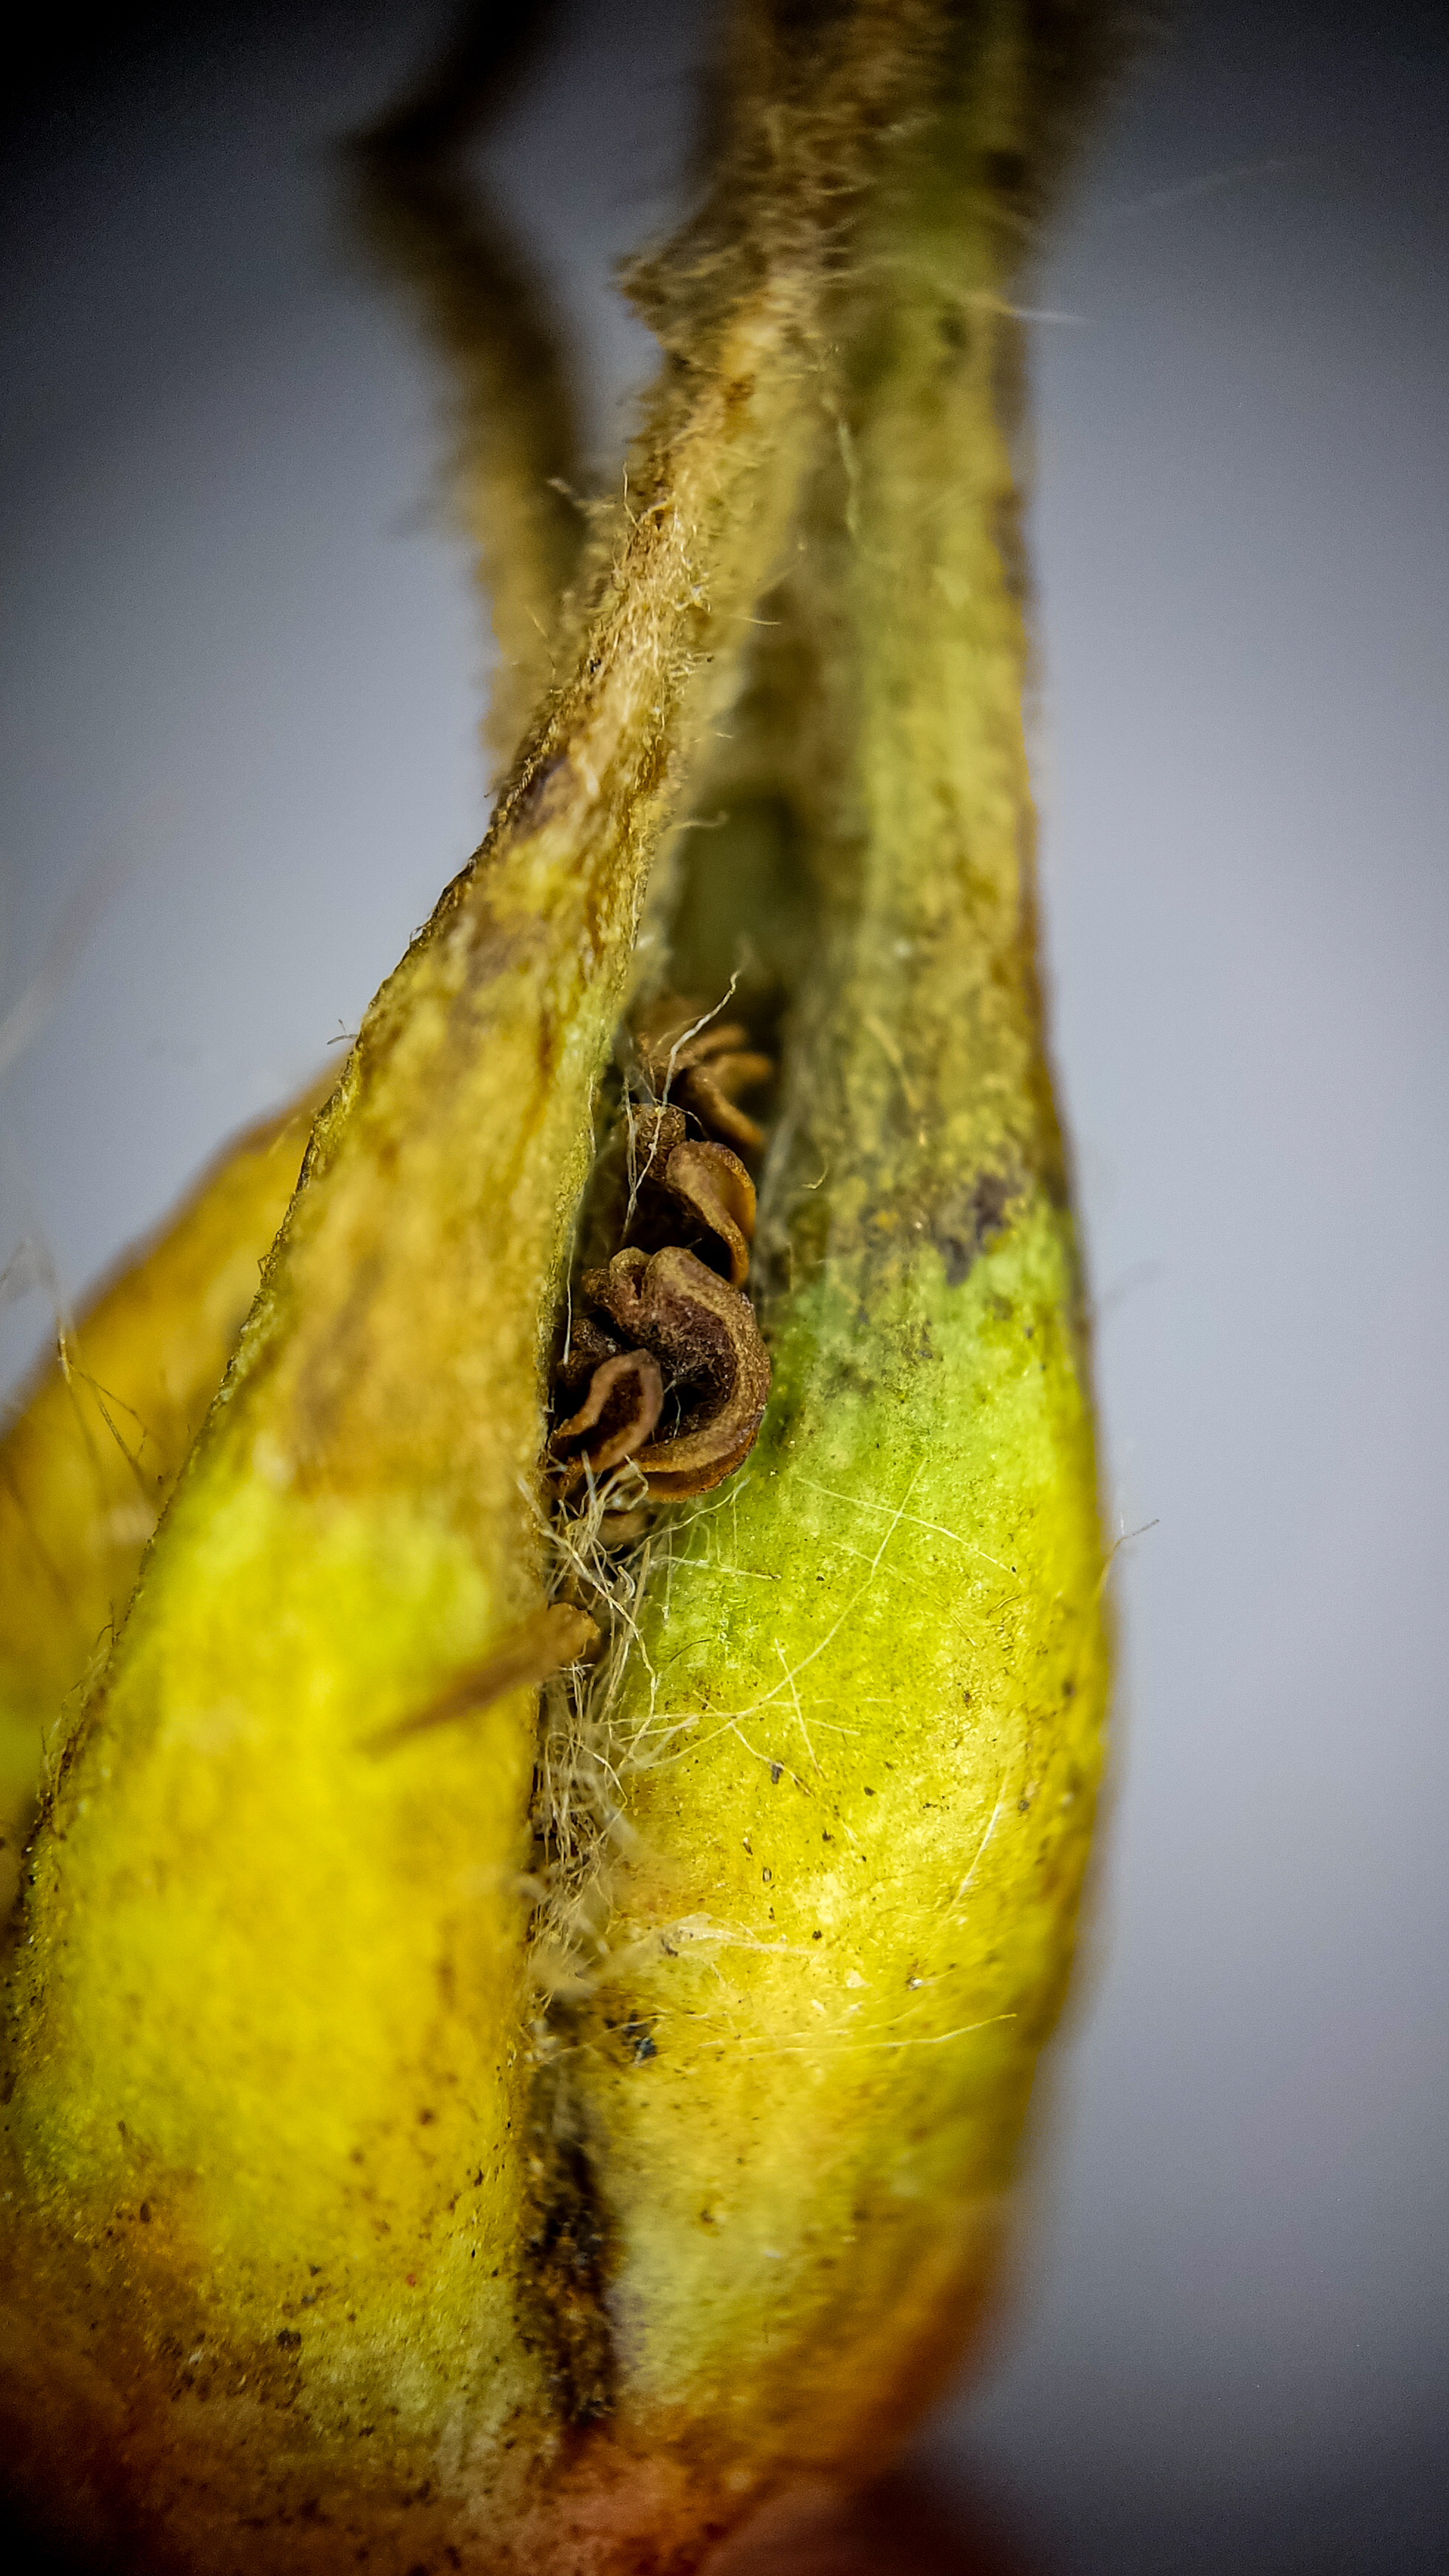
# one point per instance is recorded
(243, 667)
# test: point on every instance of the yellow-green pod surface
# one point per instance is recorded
(100, 1438)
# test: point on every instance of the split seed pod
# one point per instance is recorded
(357, 2214)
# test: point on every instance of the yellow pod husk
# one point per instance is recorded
(101, 1435)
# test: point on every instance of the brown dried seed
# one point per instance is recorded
(720, 1195)
(705, 1068)
(705, 1335)
(676, 1030)
(673, 1477)
(624, 1402)
(688, 1188)
(655, 1132)
(587, 1346)
(707, 1089)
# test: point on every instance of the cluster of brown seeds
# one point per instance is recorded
(667, 1368)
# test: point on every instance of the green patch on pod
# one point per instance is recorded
(861, 1750)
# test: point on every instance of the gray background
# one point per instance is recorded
(242, 665)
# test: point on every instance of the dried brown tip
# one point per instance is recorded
(542, 1645)
(705, 1336)
(621, 1408)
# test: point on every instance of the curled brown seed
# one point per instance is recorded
(720, 1195)
(705, 1068)
(705, 1336)
(698, 1189)
(624, 1401)
(671, 1322)
(653, 1135)
(709, 1089)
(587, 1345)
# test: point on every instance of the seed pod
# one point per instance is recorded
(426, 2136)
(857, 1741)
